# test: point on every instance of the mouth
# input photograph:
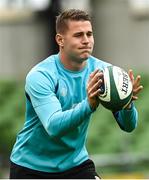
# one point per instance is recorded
(85, 48)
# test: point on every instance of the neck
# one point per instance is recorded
(72, 64)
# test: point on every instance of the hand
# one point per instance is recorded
(93, 88)
(136, 85)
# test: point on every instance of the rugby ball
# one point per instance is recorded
(116, 88)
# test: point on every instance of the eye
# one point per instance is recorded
(89, 34)
(78, 35)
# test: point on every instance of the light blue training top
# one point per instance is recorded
(57, 116)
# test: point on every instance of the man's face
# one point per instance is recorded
(78, 40)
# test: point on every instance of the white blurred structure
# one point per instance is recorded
(139, 8)
(77, 4)
(37, 4)
(43, 4)
(25, 4)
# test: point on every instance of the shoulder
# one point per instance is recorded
(44, 73)
(97, 63)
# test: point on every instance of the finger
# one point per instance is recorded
(94, 72)
(95, 78)
(134, 98)
(95, 93)
(95, 86)
(131, 75)
(137, 90)
(137, 81)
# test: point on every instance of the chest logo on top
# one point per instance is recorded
(63, 91)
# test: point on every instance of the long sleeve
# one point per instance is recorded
(58, 122)
(127, 119)
(48, 108)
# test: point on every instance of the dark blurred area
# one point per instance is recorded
(49, 17)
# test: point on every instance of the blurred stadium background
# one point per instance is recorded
(121, 31)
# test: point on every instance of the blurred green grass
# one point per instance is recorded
(12, 109)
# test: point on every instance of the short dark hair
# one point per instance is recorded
(71, 14)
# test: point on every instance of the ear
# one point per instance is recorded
(60, 40)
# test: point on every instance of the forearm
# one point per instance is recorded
(58, 122)
(127, 118)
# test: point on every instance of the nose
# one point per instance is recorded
(85, 39)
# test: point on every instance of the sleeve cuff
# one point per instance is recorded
(130, 108)
(89, 107)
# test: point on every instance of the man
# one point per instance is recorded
(61, 95)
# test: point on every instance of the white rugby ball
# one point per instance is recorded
(116, 89)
